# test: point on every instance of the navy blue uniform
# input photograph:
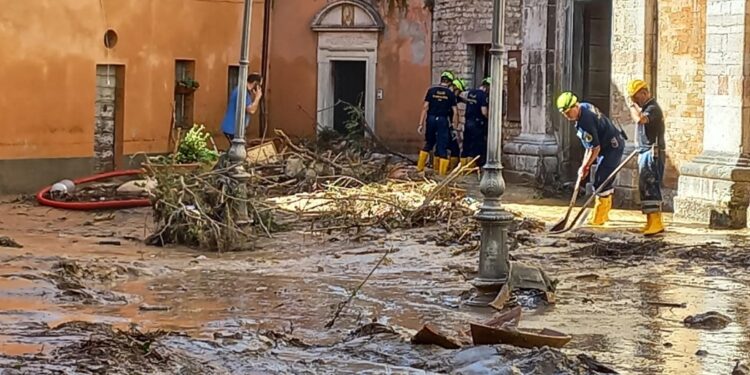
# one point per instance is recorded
(594, 129)
(441, 101)
(651, 156)
(475, 129)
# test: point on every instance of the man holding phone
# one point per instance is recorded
(254, 93)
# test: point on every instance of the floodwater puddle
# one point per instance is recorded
(613, 308)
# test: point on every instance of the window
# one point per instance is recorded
(482, 58)
(512, 92)
(183, 94)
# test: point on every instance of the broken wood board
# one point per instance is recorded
(262, 153)
(430, 336)
(523, 338)
(502, 298)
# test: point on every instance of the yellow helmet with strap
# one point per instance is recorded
(636, 85)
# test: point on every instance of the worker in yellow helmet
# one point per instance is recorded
(457, 128)
(649, 120)
(435, 120)
(604, 144)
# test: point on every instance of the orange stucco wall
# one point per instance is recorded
(50, 49)
(403, 70)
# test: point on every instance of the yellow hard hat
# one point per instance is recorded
(636, 85)
(566, 101)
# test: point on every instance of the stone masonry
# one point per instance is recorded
(714, 187)
(104, 129)
(452, 21)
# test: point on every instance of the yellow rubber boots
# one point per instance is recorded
(454, 160)
(443, 166)
(601, 211)
(655, 224)
(422, 161)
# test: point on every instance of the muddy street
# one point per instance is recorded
(83, 284)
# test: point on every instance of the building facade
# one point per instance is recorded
(325, 55)
(87, 84)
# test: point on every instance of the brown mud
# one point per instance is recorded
(78, 297)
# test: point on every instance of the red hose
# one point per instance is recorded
(101, 205)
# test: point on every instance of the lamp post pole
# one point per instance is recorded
(494, 263)
(237, 152)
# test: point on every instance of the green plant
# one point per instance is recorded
(188, 82)
(193, 147)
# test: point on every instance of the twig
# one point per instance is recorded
(667, 304)
(356, 290)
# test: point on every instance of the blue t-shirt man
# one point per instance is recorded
(254, 94)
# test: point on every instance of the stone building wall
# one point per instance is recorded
(680, 80)
(104, 129)
(452, 21)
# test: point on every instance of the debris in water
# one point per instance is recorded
(711, 320)
(667, 304)
(6, 241)
(595, 365)
(428, 335)
(740, 368)
(524, 338)
(701, 353)
(109, 242)
(147, 307)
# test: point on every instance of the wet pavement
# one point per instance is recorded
(289, 289)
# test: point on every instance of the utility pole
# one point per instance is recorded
(494, 263)
(237, 152)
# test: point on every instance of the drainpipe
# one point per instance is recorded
(267, 5)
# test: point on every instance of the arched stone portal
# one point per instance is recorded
(347, 58)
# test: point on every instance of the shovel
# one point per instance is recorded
(560, 225)
(591, 198)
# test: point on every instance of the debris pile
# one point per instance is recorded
(339, 188)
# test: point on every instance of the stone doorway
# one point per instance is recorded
(592, 63)
(347, 59)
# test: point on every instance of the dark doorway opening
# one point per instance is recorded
(348, 90)
(592, 59)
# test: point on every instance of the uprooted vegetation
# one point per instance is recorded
(338, 184)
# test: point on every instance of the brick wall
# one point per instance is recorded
(680, 79)
(451, 19)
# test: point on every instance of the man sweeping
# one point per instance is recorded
(439, 106)
(603, 143)
(649, 120)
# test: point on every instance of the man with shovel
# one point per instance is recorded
(603, 143)
(649, 121)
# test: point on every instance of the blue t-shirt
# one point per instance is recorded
(476, 99)
(441, 99)
(227, 125)
(593, 128)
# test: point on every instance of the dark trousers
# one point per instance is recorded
(437, 135)
(608, 160)
(475, 139)
(650, 175)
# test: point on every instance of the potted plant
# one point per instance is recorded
(186, 86)
(192, 153)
